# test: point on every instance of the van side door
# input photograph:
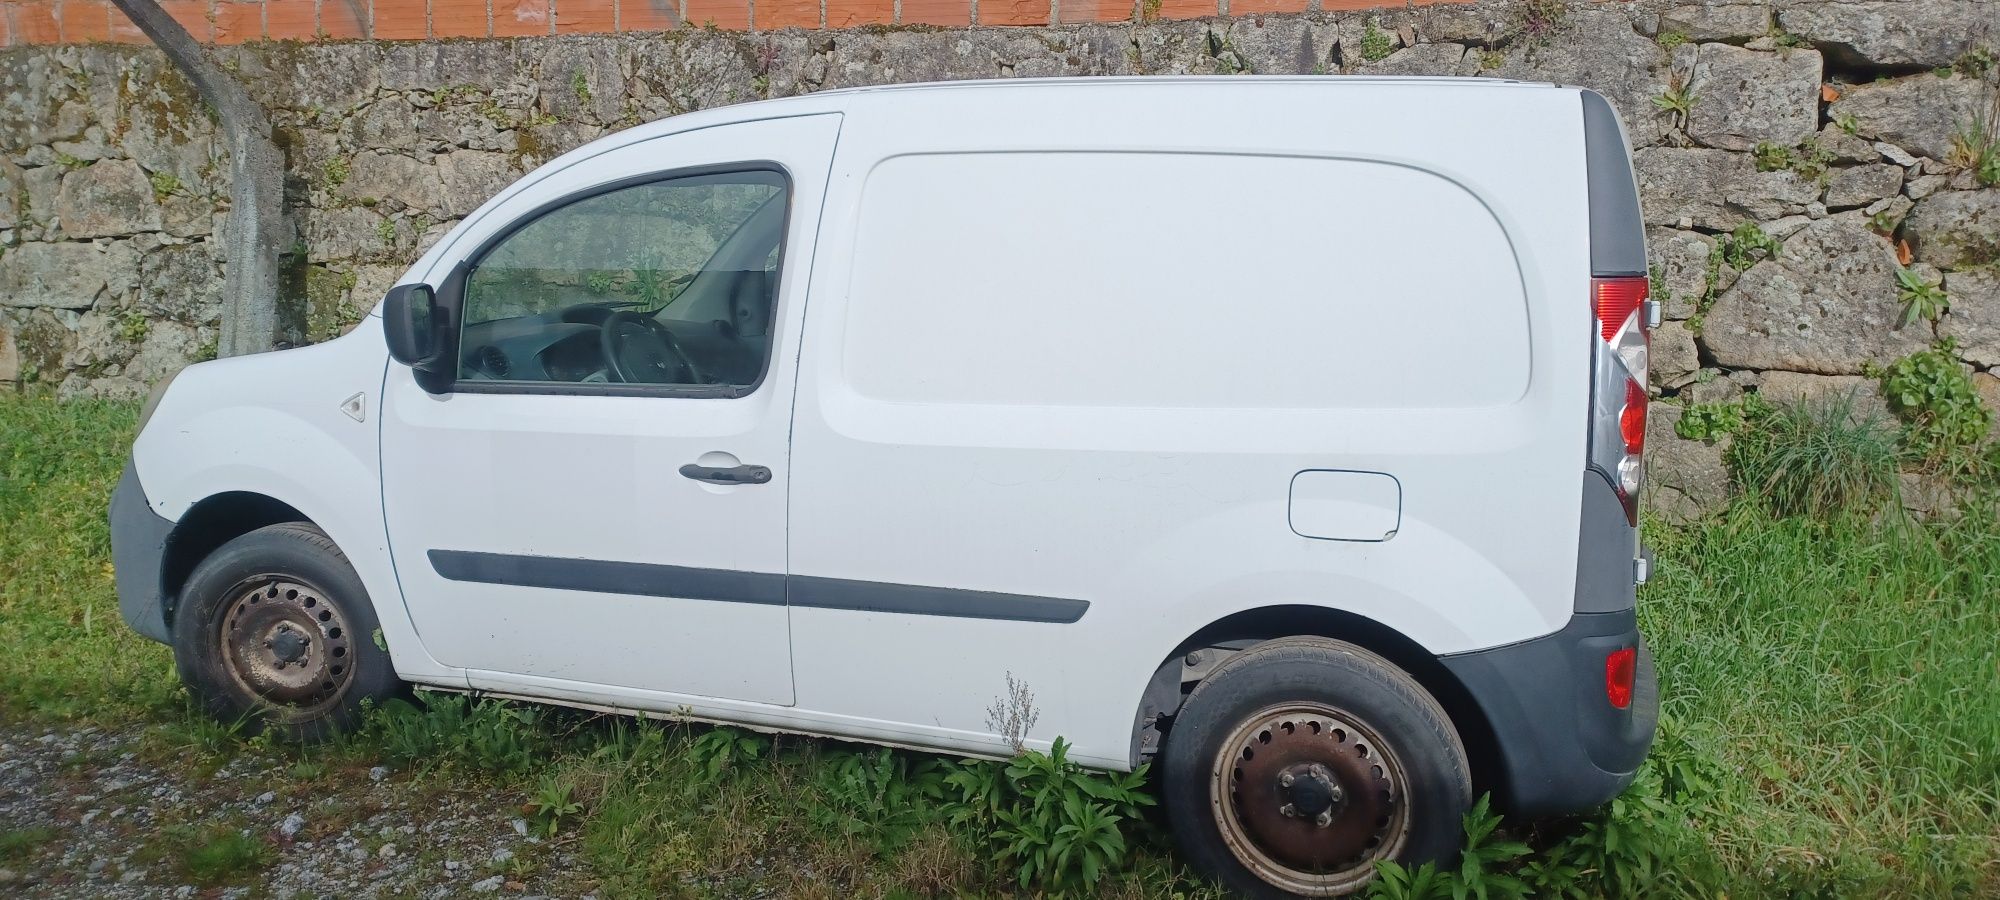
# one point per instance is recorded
(595, 507)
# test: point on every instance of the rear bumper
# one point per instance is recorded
(1563, 747)
(138, 544)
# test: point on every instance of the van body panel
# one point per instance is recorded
(1168, 517)
(553, 535)
(271, 425)
(1118, 312)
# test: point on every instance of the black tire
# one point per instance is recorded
(1326, 715)
(301, 655)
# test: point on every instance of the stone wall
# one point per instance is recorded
(1793, 159)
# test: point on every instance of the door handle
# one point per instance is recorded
(729, 474)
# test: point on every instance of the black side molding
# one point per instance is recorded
(1605, 547)
(1562, 747)
(610, 577)
(1617, 230)
(138, 547)
(765, 588)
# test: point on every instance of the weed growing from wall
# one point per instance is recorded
(1375, 43)
(1941, 411)
(1921, 299)
(1822, 460)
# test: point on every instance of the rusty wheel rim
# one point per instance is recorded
(1308, 797)
(286, 645)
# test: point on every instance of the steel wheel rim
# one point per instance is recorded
(286, 645)
(1266, 819)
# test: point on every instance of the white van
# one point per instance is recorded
(1284, 432)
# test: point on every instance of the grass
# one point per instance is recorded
(1817, 460)
(17, 844)
(64, 651)
(209, 855)
(1835, 688)
(1831, 723)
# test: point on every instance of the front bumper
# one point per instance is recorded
(138, 545)
(1563, 747)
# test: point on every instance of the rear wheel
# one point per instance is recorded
(275, 631)
(1301, 762)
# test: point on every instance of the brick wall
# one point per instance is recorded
(27, 22)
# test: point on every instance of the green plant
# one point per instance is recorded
(1812, 161)
(133, 327)
(553, 804)
(1395, 881)
(1491, 59)
(1541, 18)
(1975, 146)
(208, 350)
(1488, 853)
(210, 855)
(1668, 40)
(1814, 459)
(1486, 867)
(386, 230)
(1847, 123)
(1056, 823)
(1677, 99)
(1941, 410)
(1622, 850)
(1745, 246)
(579, 85)
(1974, 63)
(1808, 159)
(17, 844)
(723, 748)
(882, 797)
(164, 185)
(1375, 43)
(1771, 157)
(336, 171)
(453, 730)
(1883, 223)
(69, 162)
(1921, 299)
(1709, 421)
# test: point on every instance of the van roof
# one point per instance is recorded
(1161, 80)
(845, 99)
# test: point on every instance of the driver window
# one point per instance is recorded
(668, 282)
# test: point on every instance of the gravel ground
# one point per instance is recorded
(92, 813)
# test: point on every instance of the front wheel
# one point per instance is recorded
(274, 631)
(1302, 762)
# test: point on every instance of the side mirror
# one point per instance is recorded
(420, 324)
(410, 324)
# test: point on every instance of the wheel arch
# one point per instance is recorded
(207, 525)
(1165, 690)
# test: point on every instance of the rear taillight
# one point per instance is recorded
(1619, 667)
(1617, 300)
(1618, 384)
(1632, 419)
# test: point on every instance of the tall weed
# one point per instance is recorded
(444, 730)
(1819, 459)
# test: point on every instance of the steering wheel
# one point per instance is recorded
(639, 350)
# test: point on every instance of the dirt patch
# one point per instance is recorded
(92, 813)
